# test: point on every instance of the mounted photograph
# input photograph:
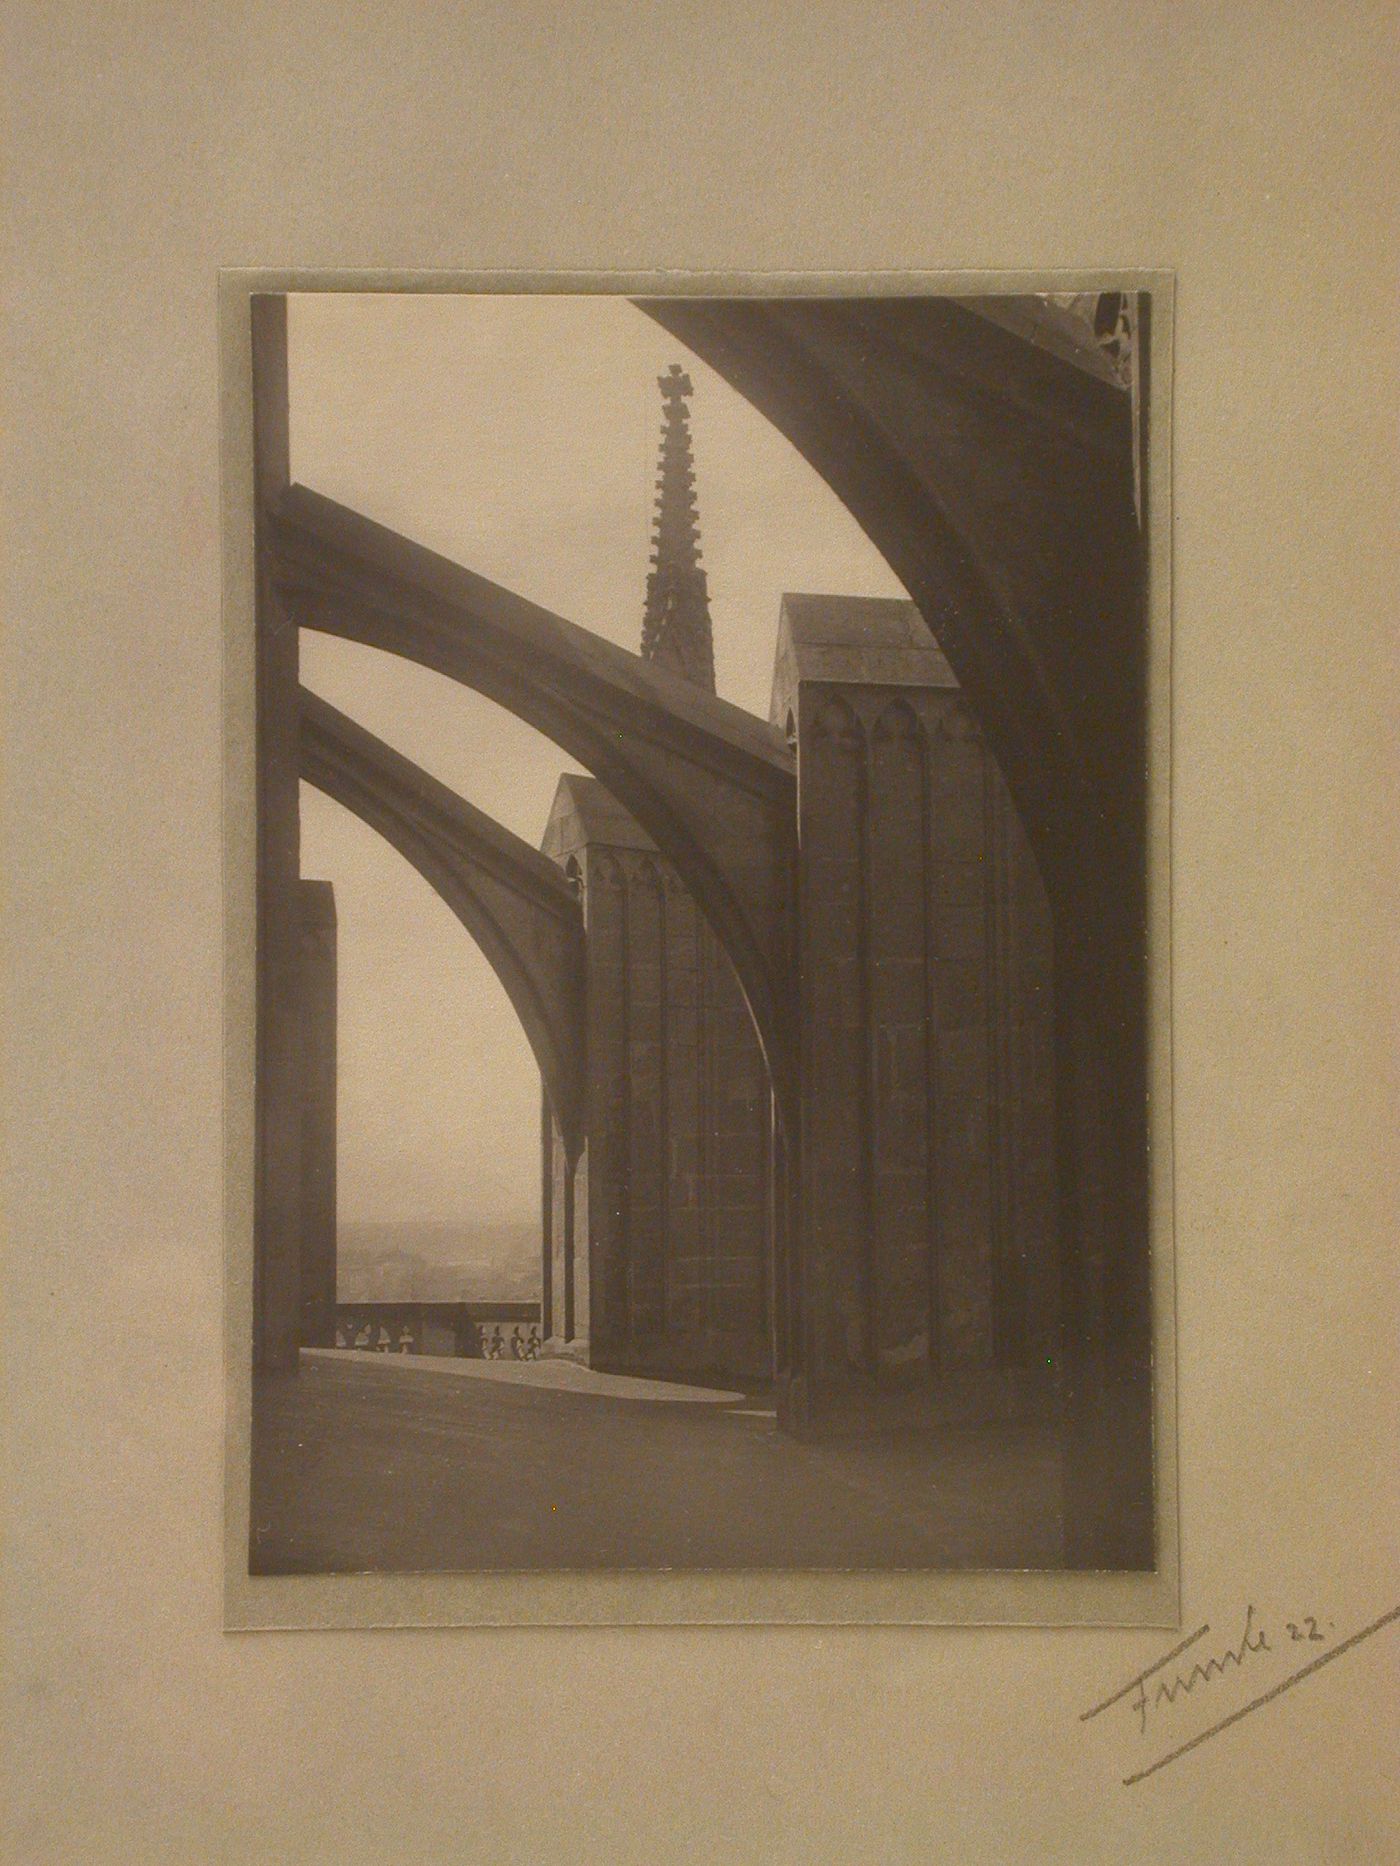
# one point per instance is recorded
(698, 1020)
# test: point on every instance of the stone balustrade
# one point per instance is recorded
(473, 1330)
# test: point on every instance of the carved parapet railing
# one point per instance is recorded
(508, 1341)
(468, 1330)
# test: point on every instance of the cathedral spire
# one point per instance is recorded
(676, 631)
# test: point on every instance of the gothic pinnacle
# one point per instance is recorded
(676, 629)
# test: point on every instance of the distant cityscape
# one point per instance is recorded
(438, 1262)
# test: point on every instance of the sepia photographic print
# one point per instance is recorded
(698, 1043)
(729, 1210)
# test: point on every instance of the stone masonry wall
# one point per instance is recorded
(926, 980)
(316, 901)
(673, 1221)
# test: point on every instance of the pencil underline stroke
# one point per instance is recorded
(1134, 1682)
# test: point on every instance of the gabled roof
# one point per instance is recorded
(585, 815)
(855, 640)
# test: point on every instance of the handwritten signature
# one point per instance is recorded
(1166, 1688)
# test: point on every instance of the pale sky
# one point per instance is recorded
(519, 436)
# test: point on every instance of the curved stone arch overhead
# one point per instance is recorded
(516, 905)
(711, 785)
(997, 459)
(994, 470)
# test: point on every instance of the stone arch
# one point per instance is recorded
(992, 464)
(991, 473)
(897, 724)
(514, 902)
(712, 786)
(838, 723)
(997, 462)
